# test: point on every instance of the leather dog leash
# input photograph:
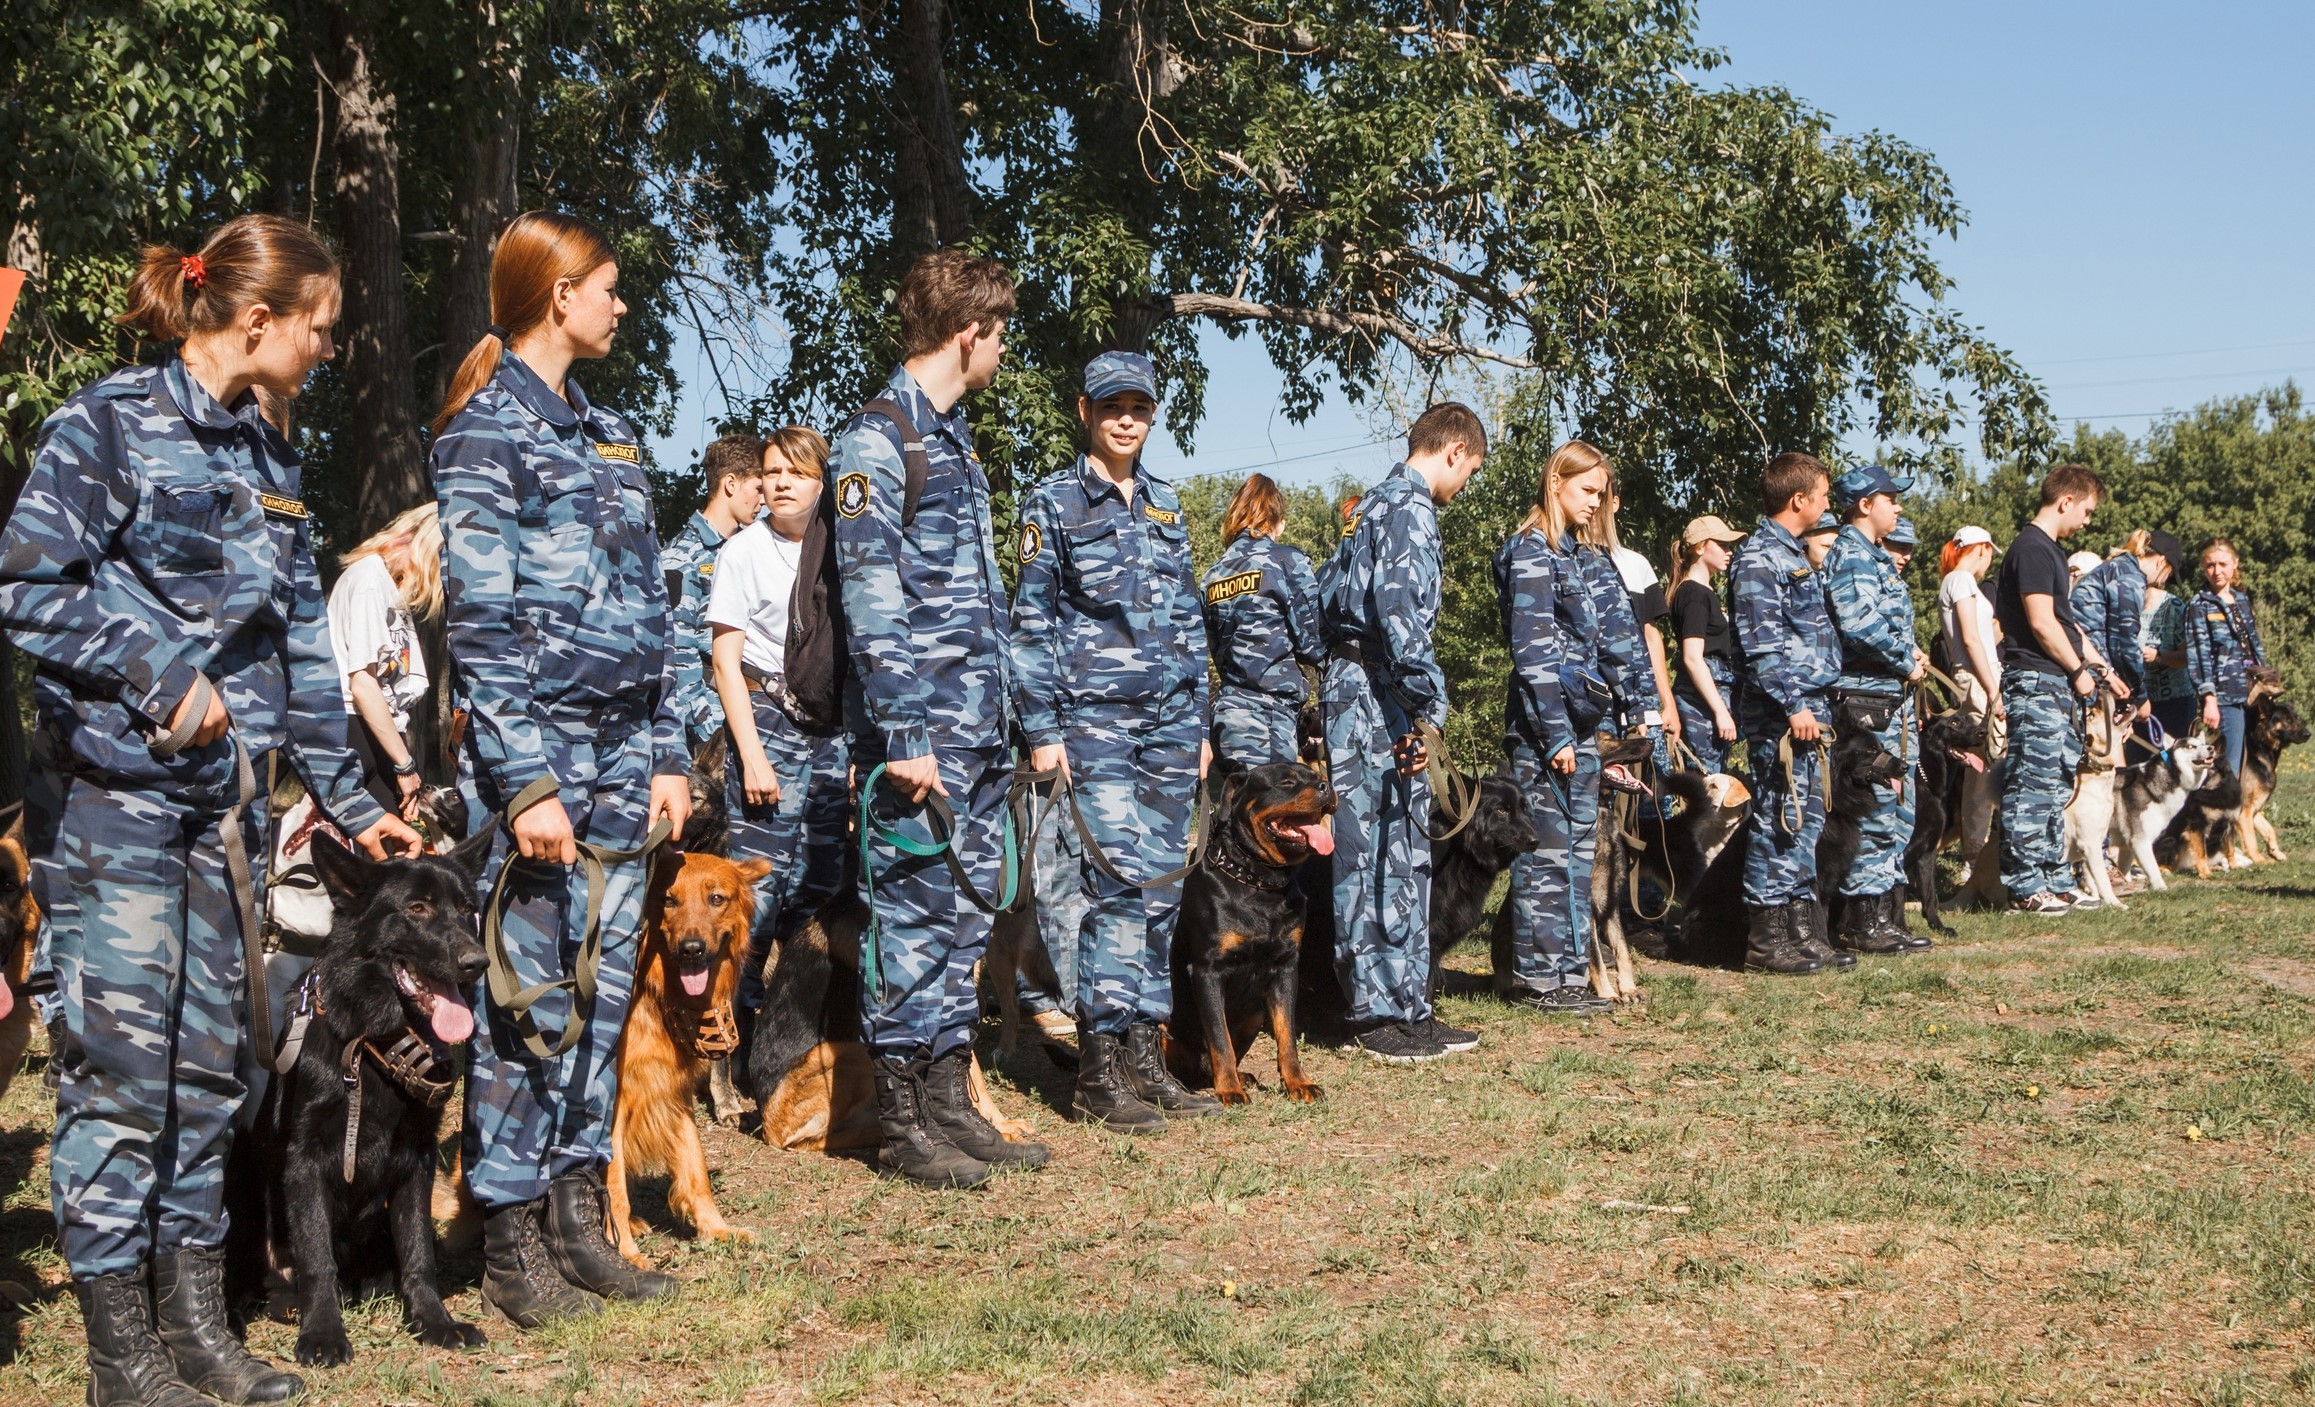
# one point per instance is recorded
(506, 990)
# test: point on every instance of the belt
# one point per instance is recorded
(772, 685)
(1347, 650)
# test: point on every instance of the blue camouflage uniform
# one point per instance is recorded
(1262, 616)
(1379, 597)
(1784, 628)
(1109, 646)
(159, 540)
(1873, 617)
(1568, 621)
(2110, 606)
(688, 558)
(926, 616)
(558, 634)
(2222, 643)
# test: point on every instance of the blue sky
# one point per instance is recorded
(2137, 176)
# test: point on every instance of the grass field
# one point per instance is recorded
(2051, 1162)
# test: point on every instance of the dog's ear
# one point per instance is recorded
(347, 875)
(753, 870)
(470, 854)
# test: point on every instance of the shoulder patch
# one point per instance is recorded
(280, 507)
(1803, 574)
(1229, 586)
(1167, 516)
(1032, 542)
(852, 494)
(626, 454)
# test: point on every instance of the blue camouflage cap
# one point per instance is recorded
(1902, 535)
(1115, 373)
(1825, 523)
(1866, 480)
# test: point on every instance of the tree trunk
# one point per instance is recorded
(1132, 75)
(485, 195)
(931, 202)
(381, 389)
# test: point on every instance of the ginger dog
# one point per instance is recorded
(695, 937)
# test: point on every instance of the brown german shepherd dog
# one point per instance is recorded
(695, 937)
(19, 927)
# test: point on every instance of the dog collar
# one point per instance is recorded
(410, 1063)
(1220, 860)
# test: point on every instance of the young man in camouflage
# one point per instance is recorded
(1380, 597)
(733, 466)
(1111, 647)
(1873, 615)
(1792, 657)
(928, 704)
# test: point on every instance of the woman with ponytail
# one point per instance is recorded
(1706, 691)
(1262, 622)
(158, 568)
(558, 628)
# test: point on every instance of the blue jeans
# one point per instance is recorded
(2231, 733)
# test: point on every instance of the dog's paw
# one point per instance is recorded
(727, 1233)
(1233, 1096)
(449, 1333)
(324, 1346)
(1305, 1094)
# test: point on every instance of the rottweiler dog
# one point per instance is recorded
(1953, 748)
(384, 1009)
(1237, 952)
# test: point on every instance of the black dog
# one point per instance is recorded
(708, 831)
(1952, 748)
(385, 1010)
(1237, 951)
(1465, 866)
(1860, 770)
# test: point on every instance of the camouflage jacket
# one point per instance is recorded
(923, 605)
(688, 559)
(1562, 607)
(1872, 614)
(1379, 594)
(1106, 607)
(1262, 619)
(1617, 653)
(557, 609)
(2222, 642)
(2110, 607)
(1783, 624)
(159, 536)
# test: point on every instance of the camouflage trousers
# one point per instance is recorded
(1551, 886)
(145, 942)
(1251, 729)
(1787, 817)
(1060, 906)
(530, 1121)
(1880, 863)
(804, 834)
(2037, 782)
(928, 934)
(1137, 784)
(1382, 855)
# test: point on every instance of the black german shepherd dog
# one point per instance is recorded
(386, 1008)
(1952, 747)
(1861, 771)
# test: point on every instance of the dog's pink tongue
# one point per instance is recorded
(452, 1019)
(1972, 761)
(7, 998)
(694, 983)
(1319, 839)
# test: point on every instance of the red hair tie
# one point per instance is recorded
(193, 270)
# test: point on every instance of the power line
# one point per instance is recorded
(2150, 356)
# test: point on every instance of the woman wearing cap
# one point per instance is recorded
(2222, 644)
(1973, 646)
(1818, 540)
(2110, 605)
(1706, 692)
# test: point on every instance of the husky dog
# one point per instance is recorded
(2149, 795)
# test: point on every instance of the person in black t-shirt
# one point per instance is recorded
(2047, 666)
(1705, 694)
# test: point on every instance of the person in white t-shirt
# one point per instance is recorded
(1973, 643)
(390, 582)
(789, 786)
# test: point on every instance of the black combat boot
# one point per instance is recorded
(913, 1145)
(1769, 945)
(1862, 929)
(948, 1090)
(519, 1278)
(1808, 930)
(189, 1312)
(1893, 918)
(1153, 1084)
(127, 1366)
(578, 1210)
(1102, 1095)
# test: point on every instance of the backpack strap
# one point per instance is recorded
(912, 456)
